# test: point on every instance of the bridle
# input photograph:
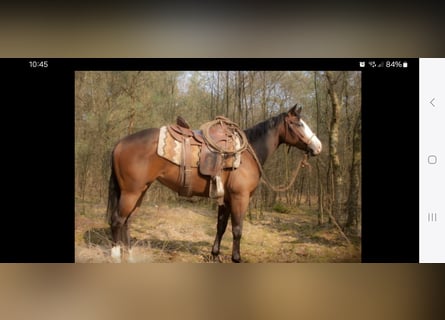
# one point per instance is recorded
(289, 124)
(303, 162)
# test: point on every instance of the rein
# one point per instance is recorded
(303, 162)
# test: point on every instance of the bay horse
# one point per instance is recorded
(135, 165)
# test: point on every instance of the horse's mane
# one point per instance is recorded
(259, 130)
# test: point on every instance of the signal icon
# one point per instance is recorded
(381, 64)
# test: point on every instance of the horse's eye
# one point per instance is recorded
(296, 123)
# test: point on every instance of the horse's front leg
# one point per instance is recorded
(237, 231)
(239, 208)
(223, 218)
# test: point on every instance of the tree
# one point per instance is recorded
(353, 204)
(333, 146)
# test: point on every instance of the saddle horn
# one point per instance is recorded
(180, 121)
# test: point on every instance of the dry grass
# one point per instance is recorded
(185, 233)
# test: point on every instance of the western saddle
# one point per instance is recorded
(221, 142)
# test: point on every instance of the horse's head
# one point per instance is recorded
(297, 133)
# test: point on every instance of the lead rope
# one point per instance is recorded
(303, 162)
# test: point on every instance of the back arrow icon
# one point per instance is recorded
(432, 102)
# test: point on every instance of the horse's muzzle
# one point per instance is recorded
(312, 153)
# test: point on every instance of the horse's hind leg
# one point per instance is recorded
(128, 203)
(223, 217)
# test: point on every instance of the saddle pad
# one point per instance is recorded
(170, 149)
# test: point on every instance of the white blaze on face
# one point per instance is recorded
(313, 143)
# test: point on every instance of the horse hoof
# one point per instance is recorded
(116, 254)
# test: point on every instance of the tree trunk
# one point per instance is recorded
(263, 95)
(227, 114)
(333, 147)
(239, 96)
(319, 186)
(217, 93)
(353, 204)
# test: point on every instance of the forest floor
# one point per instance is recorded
(185, 232)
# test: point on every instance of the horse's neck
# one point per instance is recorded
(265, 145)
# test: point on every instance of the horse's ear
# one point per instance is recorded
(294, 111)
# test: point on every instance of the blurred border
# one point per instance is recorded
(200, 291)
(247, 29)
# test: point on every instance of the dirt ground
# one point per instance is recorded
(185, 232)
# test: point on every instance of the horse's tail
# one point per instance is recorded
(114, 193)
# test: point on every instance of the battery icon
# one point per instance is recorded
(405, 64)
